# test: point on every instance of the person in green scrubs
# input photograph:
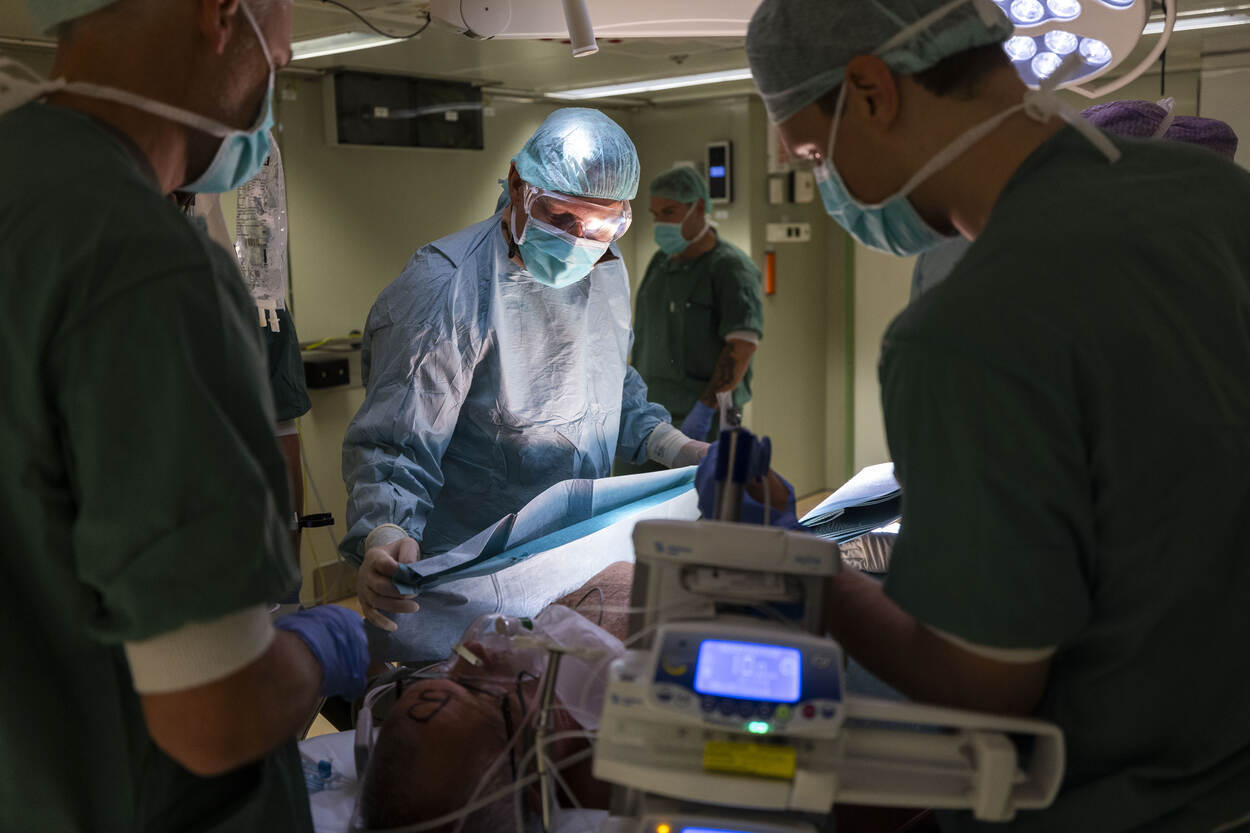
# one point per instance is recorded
(699, 315)
(143, 498)
(1068, 412)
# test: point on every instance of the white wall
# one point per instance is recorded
(1226, 96)
(882, 286)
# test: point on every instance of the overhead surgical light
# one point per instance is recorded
(334, 44)
(1102, 32)
(653, 85)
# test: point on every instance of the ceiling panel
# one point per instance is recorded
(545, 66)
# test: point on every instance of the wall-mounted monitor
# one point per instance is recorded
(370, 109)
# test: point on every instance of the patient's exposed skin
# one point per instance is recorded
(442, 735)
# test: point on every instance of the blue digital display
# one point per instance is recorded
(708, 830)
(749, 671)
(716, 172)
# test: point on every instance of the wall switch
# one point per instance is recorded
(804, 186)
(776, 190)
(788, 233)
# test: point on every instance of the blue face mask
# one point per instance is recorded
(553, 257)
(669, 238)
(242, 153)
(892, 225)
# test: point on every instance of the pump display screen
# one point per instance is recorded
(716, 171)
(749, 671)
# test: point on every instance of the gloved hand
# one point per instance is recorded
(780, 495)
(690, 454)
(336, 636)
(386, 548)
(698, 422)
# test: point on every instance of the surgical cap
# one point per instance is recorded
(48, 14)
(682, 184)
(1144, 118)
(583, 153)
(799, 49)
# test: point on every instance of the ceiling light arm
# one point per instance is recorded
(581, 32)
(1132, 75)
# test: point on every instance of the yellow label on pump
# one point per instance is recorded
(740, 758)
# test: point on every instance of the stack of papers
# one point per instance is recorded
(868, 501)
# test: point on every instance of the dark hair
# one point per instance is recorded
(958, 75)
(955, 75)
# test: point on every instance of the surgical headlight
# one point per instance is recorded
(1103, 31)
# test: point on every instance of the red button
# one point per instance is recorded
(809, 711)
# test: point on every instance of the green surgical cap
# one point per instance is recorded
(583, 153)
(682, 184)
(799, 49)
(48, 14)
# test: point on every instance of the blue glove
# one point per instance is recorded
(336, 636)
(752, 509)
(698, 422)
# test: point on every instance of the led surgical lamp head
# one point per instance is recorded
(1101, 32)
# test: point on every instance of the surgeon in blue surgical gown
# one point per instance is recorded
(496, 364)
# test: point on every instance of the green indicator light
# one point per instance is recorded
(757, 727)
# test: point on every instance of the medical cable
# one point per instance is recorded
(485, 801)
(460, 817)
(321, 507)
(428, 19)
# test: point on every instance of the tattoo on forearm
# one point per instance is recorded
(731, 366)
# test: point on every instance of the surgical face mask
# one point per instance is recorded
(556, 258)
(241, 154)
(893, 225)
(669, 238)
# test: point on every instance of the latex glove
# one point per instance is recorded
(690, 454)
(387, 547)
(698, 422)
(336, 637)
(780, 495)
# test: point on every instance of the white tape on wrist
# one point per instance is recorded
(385, 534)
(665, 443)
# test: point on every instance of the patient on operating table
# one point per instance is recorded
(442, 735)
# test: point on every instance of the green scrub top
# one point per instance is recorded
(685, 308)
(142, 488)
(286, 369)
(1069, 416)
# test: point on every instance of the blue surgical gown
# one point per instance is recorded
(484, 387)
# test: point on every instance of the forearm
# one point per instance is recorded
(913, 658)
(236, 720)
(731, 367)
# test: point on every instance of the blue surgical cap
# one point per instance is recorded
(682, 184)
(583, 153)
(48, 14)
(799, 49)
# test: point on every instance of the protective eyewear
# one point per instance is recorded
(577, 217)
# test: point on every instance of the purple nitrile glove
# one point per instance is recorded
(698, 422)
(336, 636)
